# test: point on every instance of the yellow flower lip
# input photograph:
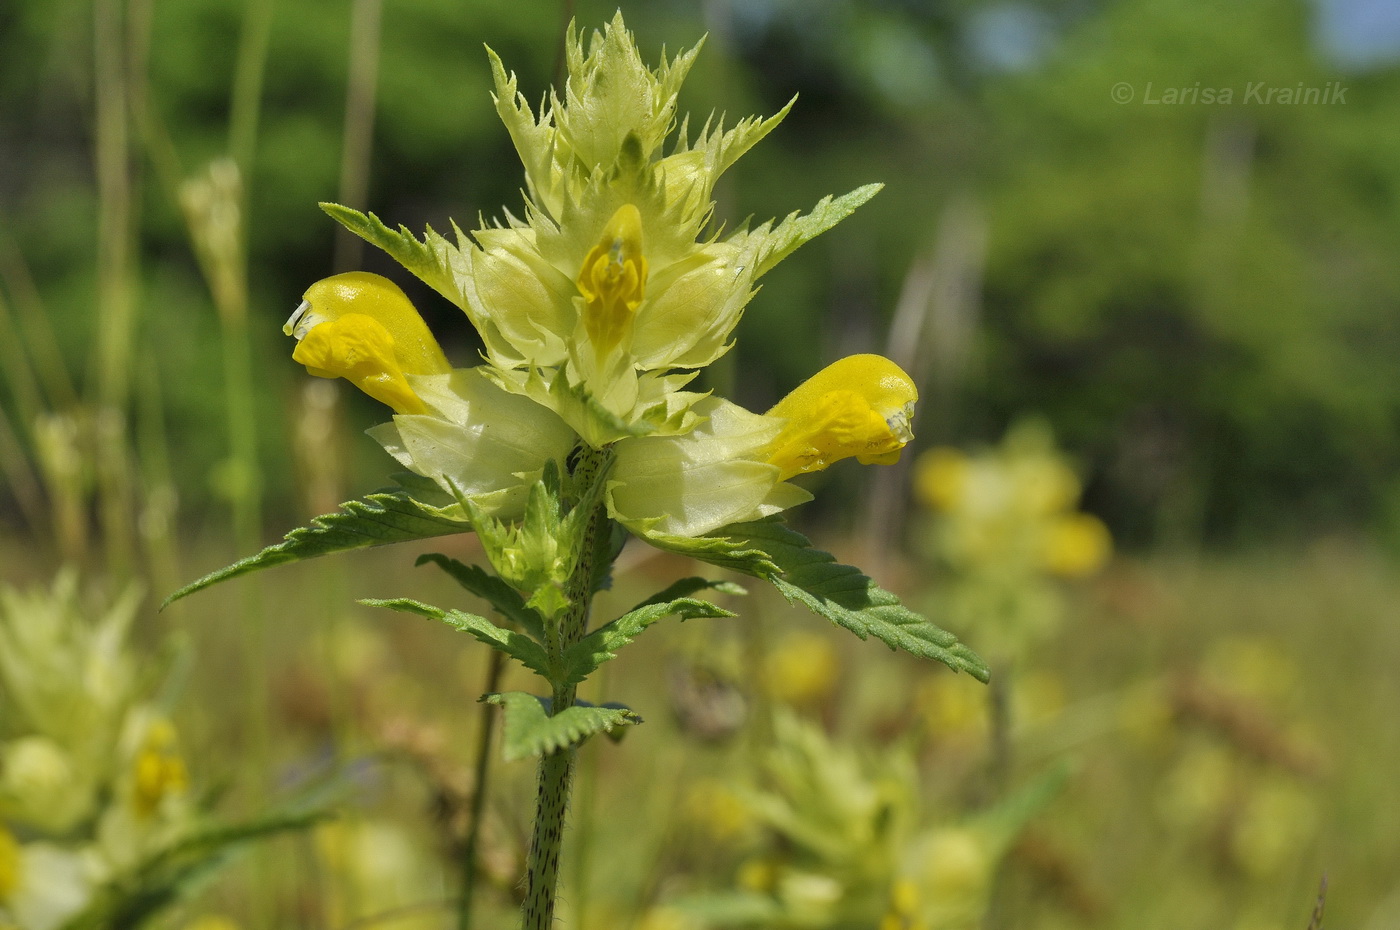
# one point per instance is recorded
(859, 406)
(159, 769)
(361, 327)
(612, 280)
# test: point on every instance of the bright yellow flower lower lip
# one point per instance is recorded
(612, 280)
(359, 349)
(859, 406)
(361, 327)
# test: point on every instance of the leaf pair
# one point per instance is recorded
(531, 730)
(764, 549)
(528, 644)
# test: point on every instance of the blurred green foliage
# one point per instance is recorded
(1201, 298)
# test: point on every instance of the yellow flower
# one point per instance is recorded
(940, 476)
(959, 863)
(734, 466)
(612, 281)
(42, 886)
(602, 300)
(40, 787)
(1076, 545)
(361, 327)
(859, 406)
(714, 809)
(949, 709)
(474, 437)
(802, 669)
(158, 771)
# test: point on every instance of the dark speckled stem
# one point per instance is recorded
(557, 768)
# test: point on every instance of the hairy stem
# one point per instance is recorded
(557, 768)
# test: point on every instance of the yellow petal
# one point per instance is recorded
(361, 327)
(859, 406)
(159, 770)
(359, 349)
(612, 280)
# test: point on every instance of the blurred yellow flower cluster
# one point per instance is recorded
(836, 839)
(1240, 779)
(91, 774)
(378, 873)
(1006, 527)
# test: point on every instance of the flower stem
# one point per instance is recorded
(557, 768)
(552, 803)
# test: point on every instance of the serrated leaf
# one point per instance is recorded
(798, 228)
(375, 520)
(843, 594)
(688, 586)
(723, 551)
(517, 645)
(488, 587)
(530, 730)
(583, 657)
(435, 260)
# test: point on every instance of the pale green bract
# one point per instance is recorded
(484, 442)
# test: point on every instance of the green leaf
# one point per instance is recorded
(531, 731)
(688, 586)
(583, 657)
(725, 551)
(796, 229)
(841, 593)
(435, 260)
(488, 587)
(375, 520)
(514, 644)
